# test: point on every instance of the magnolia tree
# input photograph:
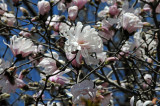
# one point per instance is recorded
(80, 52)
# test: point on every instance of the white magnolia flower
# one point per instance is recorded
(48, 63)
(72, 12)
(106, 32)
(131, 22)
(104, 12)
(5, 84)
(85, 41)
(7, 87)
(4, 65)
(140, 103)
(9, 18)
(140, 44)
(84, 90)
(127, 47)
(54, 22)
(43, 7)
(3, 8)
(59, 78)
(20, 46)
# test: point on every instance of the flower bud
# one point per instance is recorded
(113, 10)
(80, 3)
(44, 7)
(148, 78)
(25, 12)
(72, 12)
(111, 59)
(23, 73)
(4, 96)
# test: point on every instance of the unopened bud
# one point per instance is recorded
(4, 96)
(25, 12)
(146, 24)
(34, 19)
(33, 84)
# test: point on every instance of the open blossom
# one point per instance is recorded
(7, 87)
(131, 22)
(3, 65)
(74, 63)
(20, 46)
(140, 103)
(8, 18)
(104, 12)
(48, 63)
(5, 84)
(72, 12)
(3, 8)
(44, 7)
(25, 34)
(62, 4)
(58, 78)
(140, 43)
(148, 8)
(84, 41)
(80, 3)
(54, 22)
(84, 90)
(105, 31)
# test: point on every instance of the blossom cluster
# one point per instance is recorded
(85, 52)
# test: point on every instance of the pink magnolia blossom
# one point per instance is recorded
(112, 59)
(72, 12)
(37, 49)
(20, 46)
(80, 3)
(44, 7)
(131, 22)
(3, 8)
(25, 34)
(104, 12)
(105, 31)
(8, 18)
(101, 56)
(74, 63)
(48, 63)
(62, 4)
(113, 10)
(148, 8)
(54, 22)
(8, 87)
(86, 41)
(58, 78)
(84, 90)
